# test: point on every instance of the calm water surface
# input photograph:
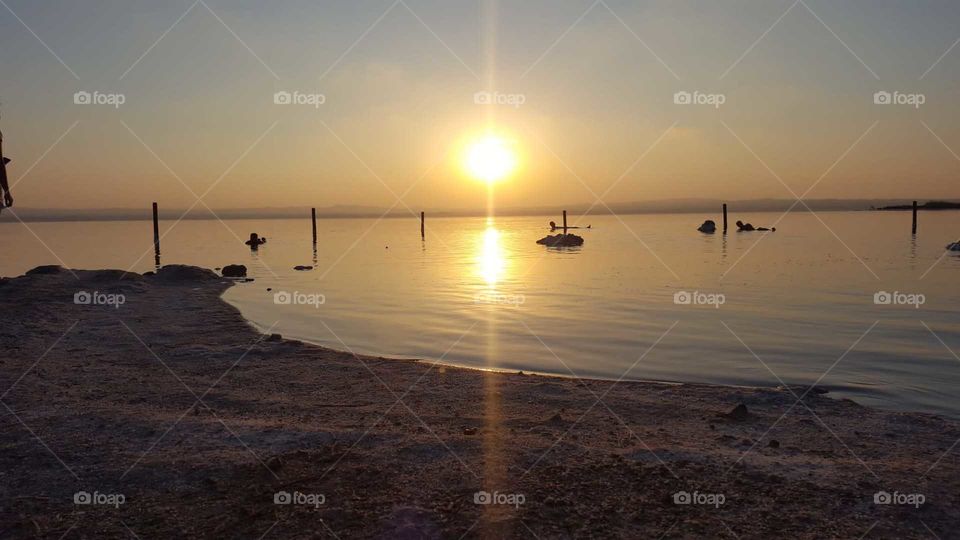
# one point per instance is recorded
(797, 304)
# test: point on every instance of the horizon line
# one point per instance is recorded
(662, 206)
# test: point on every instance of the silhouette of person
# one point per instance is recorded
(553, 226)
(255, 241)
(746, 227)
(4, 186)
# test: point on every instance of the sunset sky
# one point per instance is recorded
(597, 81)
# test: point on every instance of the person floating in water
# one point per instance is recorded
(708, 227)
(255, 241)
(4, 186)
(747, 227)
(553, 227)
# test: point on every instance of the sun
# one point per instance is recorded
(490, 158)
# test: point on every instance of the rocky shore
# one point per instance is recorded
(144, 406)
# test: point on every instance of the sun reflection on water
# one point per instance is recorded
(491, 259)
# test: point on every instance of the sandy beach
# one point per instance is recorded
(179, 419)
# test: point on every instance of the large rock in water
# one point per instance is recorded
(561, 240)
(954, 246)
(234, 270)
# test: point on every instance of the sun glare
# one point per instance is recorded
(490, 158)
(491, 257)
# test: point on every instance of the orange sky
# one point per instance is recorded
(586, 93)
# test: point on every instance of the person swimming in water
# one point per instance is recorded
(553, 226)
(747, 227)
(255, 241)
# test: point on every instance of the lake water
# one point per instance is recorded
(483, 294)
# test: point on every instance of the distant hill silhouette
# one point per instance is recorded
(932, 205)
(663, 206)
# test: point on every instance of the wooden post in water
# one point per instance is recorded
(914, 217)
(724, 218)
(564, 222)
(156, 230)
(313, 217)
(423, 219)
(156, 237)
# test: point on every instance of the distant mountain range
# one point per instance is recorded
(664, 206)
(932, 205)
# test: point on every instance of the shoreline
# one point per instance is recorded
(832, 391)
(175, 401)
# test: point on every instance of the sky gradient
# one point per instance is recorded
(597, 81)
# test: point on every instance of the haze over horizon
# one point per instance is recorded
(703, 206)
(591, 89)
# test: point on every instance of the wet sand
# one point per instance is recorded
(174, 402)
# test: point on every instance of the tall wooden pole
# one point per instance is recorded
(156, 237)
(914, 217)
(423, 218)
(313, 218)
(724, 218)
(156, 229)
(564, 222)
